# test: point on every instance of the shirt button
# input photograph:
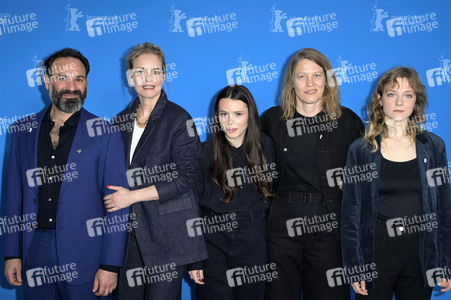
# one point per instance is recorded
(53, 156)
(50, 220)
(285, 149)
(50, 199)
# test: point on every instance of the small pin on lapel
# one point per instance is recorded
(79, 151)
(425, 160)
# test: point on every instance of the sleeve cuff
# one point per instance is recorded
(198, 265)
(11, 257)
(109, 268)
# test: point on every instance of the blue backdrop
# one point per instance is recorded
(211, 44)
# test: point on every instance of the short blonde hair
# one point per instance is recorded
(145, 48)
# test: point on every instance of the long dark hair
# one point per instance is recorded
(254, 153)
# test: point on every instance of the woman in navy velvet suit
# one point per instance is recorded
(396, 217)
(161, 151)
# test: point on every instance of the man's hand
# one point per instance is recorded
(104, 283)
(13, 271)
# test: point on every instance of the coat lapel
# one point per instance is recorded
(156, 113)
(423, 164)
(127, 134)
(79, 144)
(375, 157)
(31, 142)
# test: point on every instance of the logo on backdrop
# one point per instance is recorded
(101, 25)
(442, 74)
(176, 17)
(379, 14)
(297, 26)
(73, 14)
(249, 73)
(350, 73)
(197, 26)
(276, 19)
(10, 24)
(396, 25)
(35, 75)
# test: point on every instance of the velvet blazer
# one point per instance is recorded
(166, 156)
(360, 205)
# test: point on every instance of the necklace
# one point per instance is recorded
(137, 121)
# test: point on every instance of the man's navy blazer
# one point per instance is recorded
(86, 235)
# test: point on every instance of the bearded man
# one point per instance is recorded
(59, 172)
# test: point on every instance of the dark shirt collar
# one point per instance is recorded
(71, 122)
(236, 150)
(298, 115)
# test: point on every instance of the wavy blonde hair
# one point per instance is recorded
(375, 111)
(331, 96)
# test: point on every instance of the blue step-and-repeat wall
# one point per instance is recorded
(210, 44)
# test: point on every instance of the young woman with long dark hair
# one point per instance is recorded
(236, 166)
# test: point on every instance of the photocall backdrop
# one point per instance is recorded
(210, 44)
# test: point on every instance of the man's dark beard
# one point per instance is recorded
(68, 105)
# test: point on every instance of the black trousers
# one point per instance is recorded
(303, 258)
(232, 257)
(398, 265)
(161, 283)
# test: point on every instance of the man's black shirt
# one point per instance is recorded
(52, 166)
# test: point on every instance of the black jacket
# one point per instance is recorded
(247, 197)
(332, 148)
